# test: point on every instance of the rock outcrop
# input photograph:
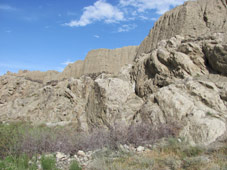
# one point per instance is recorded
(85, 102)
(179, 58)
(194, 18)
(179, 75)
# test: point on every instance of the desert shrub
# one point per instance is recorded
(20, 138)
(74, 166)
(137, 134)
(41, 140)
(144, 133)
(9, 139)
(23, 138)
(48, 163)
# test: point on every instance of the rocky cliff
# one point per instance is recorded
(179, 78)
(194, 18)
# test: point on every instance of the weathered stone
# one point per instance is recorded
(61, 156)
(194, 18)
(140, 149)
(81, 153)
(197, 106)
(217, 57)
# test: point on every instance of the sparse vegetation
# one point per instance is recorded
(21, 143)
(23, 138)
(172, 155)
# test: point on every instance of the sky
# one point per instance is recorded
(49, 34)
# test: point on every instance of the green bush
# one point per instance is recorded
(48, 163)
(9, 137)
(74, 166)
(17, 163)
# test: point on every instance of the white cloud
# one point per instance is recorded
(67, 62)
(126, 28)
(96, 36)
(101, 10)
(161, 6)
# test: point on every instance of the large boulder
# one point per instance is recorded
(194, 104)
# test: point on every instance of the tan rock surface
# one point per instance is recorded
(101, 60)
(84, 102)
(194, 104)
(194, 18)
(179, 58)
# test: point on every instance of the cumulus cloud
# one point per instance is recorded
(126, 28)
(100, 11)
(160, 6)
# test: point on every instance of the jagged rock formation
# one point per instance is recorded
(85, 102)
(194, 18)
(174, 77)
(179, 58)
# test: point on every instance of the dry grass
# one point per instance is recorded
(171, 156)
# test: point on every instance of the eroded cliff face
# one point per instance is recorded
(183, 79)
(101, 60)
(194, 18)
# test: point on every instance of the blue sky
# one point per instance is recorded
(48, 34)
